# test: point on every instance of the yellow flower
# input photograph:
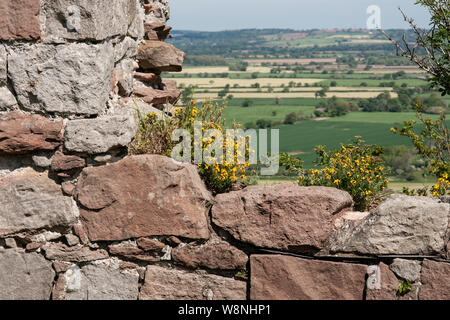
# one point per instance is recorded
(337, 181)
(368, 193)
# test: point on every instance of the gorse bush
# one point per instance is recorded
(155, 137)
(356, 168)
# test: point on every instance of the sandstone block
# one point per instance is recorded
(21, 133)
(30, 201)
(285, 217)
(141, 196)
(278, 277)
(19, 21)
(171, 284)
(24, 276)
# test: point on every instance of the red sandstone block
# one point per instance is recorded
(19, 20)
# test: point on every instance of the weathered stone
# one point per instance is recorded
(156, 31)
(80, 231)
(349, 216)
(69, 79)
(61, 252)
(3, 63)
(130, 251)
(125, 49)
(62, 162)
(435, 280)
(68, 188)
(151, 35)
(43, 236)
(61, 266)
(159, 12)
(33, 246)
(29, 201)
(278, 277)
(123, 77)
(400, 225)
(10, 243)
(19, 21)
(160, 56)
(136, 29)
(406, 269)
(150, 244)
(285, 216)
(154, 96)
(149, 78)
(140, 196)
(24, 276)
(124, 249)
(87, 20)
(172, 284)
(41, 161)
(100, 135)
(98, 282)
(173, 241)
(214, 254)
(21, 133)
(7, 100)
(72, 240)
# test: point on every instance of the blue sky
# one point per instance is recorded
(214, 15)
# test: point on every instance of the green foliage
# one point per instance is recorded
(290, 118)
(247, 103)
(154, 136)
(404, 288)
(437, 42)
(238, 66)
(432, 143)
(356, 168)
(336, 107)
(432, 50)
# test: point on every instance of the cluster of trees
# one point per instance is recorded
(335, 107)
(405, 102)
(289, 118)
(238, 66)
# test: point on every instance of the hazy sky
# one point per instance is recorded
(213, 15)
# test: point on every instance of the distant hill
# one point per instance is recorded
(284, 43)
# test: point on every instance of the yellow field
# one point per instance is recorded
(222, 82)
(195, 70)
(267, 95)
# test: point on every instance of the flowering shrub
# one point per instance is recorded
(441, 188)
(355, 168)
(154, 136)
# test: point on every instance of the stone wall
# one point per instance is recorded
(79, 219)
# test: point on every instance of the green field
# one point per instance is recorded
(252, 114)
(302, 137)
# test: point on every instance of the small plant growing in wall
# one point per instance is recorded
(404, 288)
